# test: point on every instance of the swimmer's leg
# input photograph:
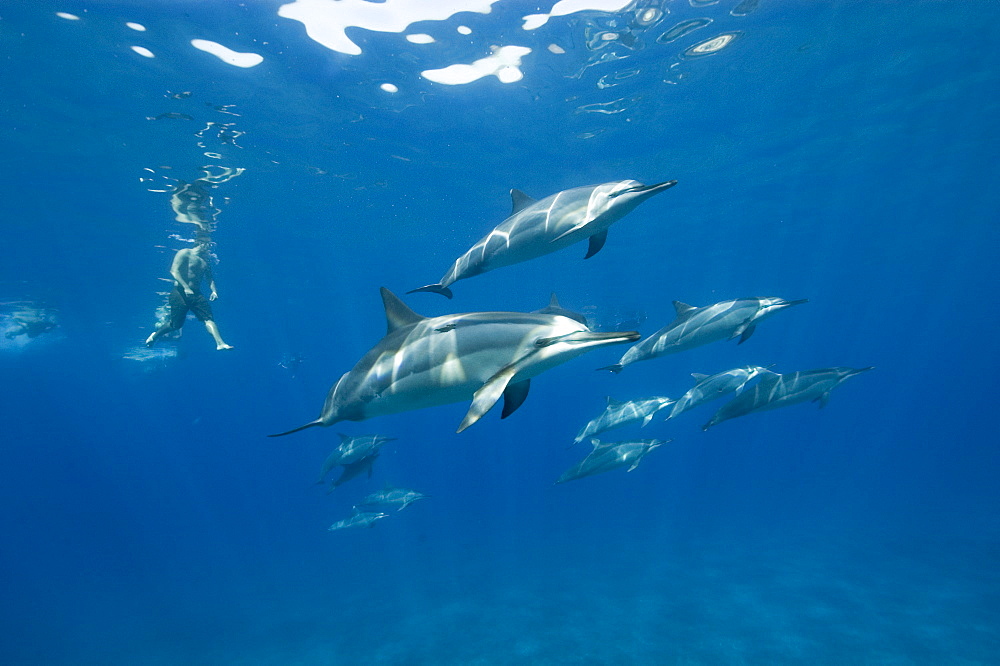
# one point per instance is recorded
(214, 331)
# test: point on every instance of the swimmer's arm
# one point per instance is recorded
(211, 282)
(177, 269)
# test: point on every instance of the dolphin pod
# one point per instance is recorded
(791, 388)
(536, 228)
(483, 356)
(694, 326)
(429, 361)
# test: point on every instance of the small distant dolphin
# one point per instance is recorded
(776, 390)
(429, 361)
(358, 519)
(536, 228)
(389, 497)
(618, 414)
(712, 387)
(351, 450)
(607, 456)
(695, 326)
(353, 469)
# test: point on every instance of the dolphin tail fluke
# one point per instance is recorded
(433, 288)
(311, 424)
(616, 368)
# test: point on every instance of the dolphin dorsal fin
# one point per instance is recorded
(519, 201)
(397, 313)
(698, 376)
(554, 302)
(683, 308)
(343, 437)
(614, 403)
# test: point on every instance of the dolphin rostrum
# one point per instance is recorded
(695, 326)
(429, 361)
(712, 387)
(535, 228)
(607, 456)
(774, 390)
(618, 414)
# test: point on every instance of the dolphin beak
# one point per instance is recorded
(800, 301)
(609, 338)
(591, 338)
(646, 191)
(659, 187)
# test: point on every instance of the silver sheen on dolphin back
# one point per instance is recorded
(712, 387)
(694, 326)
(536, 228)
(607, 456)
(429, 361)
(620, 413)
(774, 391)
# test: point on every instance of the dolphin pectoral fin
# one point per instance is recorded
(311, 424)
(634, 465)
(747, 333)
(596, 243)
(434, 289)
(823, 400)
(646, 420)
(571, 230)
(514, 396)
(487, 395)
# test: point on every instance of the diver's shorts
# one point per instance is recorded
(180, 303)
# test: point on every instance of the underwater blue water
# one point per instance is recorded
(843, 152)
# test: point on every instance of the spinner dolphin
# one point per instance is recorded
(536, 228)
(428, 361)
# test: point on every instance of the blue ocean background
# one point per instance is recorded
(843, 152)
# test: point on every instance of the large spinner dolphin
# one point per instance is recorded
(535, 228)
(428, 361)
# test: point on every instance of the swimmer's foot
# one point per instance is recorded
(151, 339)
(223, 346)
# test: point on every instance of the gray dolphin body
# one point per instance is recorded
(607, 456)
(429, 361)
(358, 519)
(536, 228)
(389, 498)
(352, 449)
(353, 469)
(776, 390)
(695, 326)
(713, 387)
(618, 414)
